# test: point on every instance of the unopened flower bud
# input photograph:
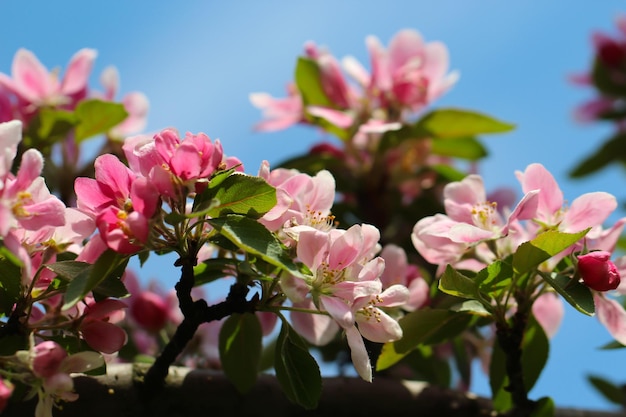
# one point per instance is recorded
(150, 311)
(6, 389)
(598, 272)
(47, 358)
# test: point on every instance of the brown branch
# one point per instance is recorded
(199, 393)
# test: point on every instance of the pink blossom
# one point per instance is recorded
(35, 86)
(135, 103)
(279, 113)
(47, 358)
(150, 311)
(121, 203)
(410, 72)
(587, 210)
(597, 271)
(25, 201)
(302, 200)
(171, 162)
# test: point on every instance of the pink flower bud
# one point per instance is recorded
(598, 272)
(150, 311)
(6, 389)
(48, 358)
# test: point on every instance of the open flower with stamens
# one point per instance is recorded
(121, 203)
(304, 201)
(343, 281)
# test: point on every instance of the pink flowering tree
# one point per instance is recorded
(379, 244)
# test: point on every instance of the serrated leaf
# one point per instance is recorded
(531, 254)
(296, 370)
(464, 148)
(68, 269)
(96, 117)
(576, 294)
(237, 194)
(457, 123)
(240, 343)
(252, 237)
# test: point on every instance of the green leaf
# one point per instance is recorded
(68, 270)
(576, 294)
(465, 148)
(252, 237)
(240, 344)
(91, 277)
(10, 285)
(457, 123)
(494, 278)
(389, 356)
(238, 194)
(309, 83)
(55, 124)
(530, 255)
(96, 117)
(611, 392)
(613, 150)
(454, 283)
(428, 326)
(296, 370)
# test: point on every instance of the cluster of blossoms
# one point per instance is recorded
(33, 87)
(360, 107)
(405, 78)
(477, 230)
(341, 285)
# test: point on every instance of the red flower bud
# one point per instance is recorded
(150, 311)
(597, 271)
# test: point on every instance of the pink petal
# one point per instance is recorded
(405, 46)
(113, 177)
(312, 248)
(338, 310)
(549, 311)
(612, 316)
(358, 353)
(536, 177)
(336, 117)
(590, 209)
(32, 80)
(317, 329)
(103, 336)
(345, 249)
(78, 71)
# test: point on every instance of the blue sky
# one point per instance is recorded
(197, 61)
